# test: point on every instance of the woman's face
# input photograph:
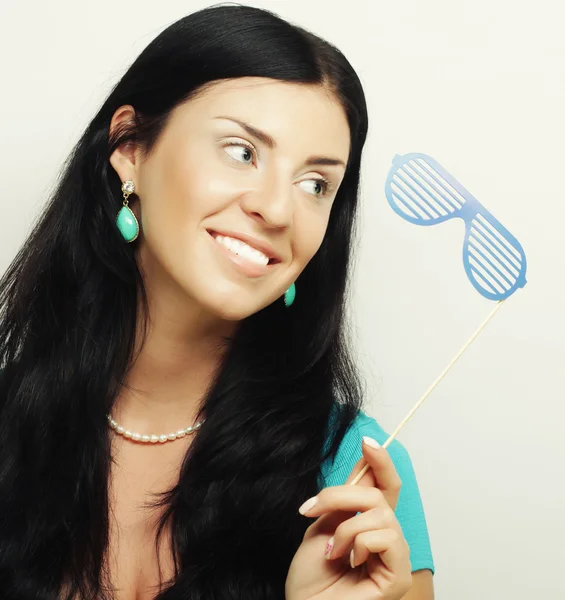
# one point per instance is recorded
(240, 160)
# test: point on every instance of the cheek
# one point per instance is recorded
(190, 193)
(183, 193)
(308, 237)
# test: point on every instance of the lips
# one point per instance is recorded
(242, 265)
(263, 247)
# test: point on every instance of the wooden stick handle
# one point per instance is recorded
(430, 389)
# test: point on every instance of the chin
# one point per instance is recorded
(235, 313)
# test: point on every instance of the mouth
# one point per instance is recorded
(273, 259)
(241, 263)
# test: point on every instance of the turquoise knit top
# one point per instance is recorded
(409, 510)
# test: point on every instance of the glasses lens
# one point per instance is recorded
(419, 190)
(494, 259)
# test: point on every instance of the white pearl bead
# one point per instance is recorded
(138, 437)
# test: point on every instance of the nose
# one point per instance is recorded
(272, 201)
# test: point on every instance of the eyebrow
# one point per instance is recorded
(269, 141)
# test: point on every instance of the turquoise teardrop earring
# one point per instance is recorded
(290, 295)
(126, 221)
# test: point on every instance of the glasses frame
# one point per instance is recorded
(476, 218)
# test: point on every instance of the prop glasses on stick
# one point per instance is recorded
(421, 191)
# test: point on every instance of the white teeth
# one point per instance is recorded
(241, 249)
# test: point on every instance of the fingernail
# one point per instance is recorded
(371, 442)
(352, 559)
(307, 505)
(329, 548)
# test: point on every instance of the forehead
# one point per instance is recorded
(296, 115)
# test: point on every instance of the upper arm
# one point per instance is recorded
(409, 510)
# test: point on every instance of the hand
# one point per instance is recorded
(382, 569)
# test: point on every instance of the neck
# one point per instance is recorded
(173, 367)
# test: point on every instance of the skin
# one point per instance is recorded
(373, 540)
(193, 181)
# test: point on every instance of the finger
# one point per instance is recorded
(374, 519)
(384, 472)
(383, 548)
(336, 504)
(346, 499)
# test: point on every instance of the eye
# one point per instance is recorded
(248, 151)
(323, 184)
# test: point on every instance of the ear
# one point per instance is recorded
(124, 159)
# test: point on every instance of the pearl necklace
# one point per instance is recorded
(152, 439)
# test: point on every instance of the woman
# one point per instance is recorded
(176, 378)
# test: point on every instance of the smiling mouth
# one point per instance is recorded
(272, 261)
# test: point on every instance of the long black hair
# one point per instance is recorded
(68, 313)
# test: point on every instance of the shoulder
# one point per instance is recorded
(410, 510)
(350, 451)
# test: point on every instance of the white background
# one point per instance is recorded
(479, 86)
